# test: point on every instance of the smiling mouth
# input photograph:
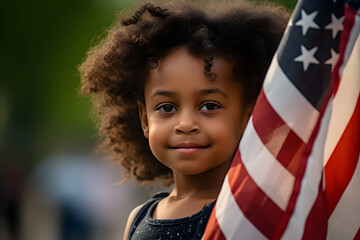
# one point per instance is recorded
(188, 148)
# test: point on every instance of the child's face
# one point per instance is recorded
(193, 125)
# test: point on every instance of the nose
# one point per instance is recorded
(187, 124)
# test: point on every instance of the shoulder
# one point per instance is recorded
(131, 218)
(139, 208)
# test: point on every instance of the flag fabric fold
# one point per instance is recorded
(296, 173)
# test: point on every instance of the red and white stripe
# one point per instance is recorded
(342, 148)
(288, 154)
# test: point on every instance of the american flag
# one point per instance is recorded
(296, 173)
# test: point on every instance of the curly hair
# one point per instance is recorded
(115, 71)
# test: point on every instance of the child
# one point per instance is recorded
(174, 88)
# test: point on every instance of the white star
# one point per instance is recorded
(307, 57)
(333, 60)
(307, 21)
(335, 25)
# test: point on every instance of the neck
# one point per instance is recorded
(206, 185)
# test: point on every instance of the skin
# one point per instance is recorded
(193, 126)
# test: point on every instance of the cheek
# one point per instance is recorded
(158, 137)
(238, 120)
(158, 129)
(227, 132)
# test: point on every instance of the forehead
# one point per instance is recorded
(180, 69)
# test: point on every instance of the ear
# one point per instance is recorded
(143, 119)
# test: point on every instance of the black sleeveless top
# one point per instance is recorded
(146, 227)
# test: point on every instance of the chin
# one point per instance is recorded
(189, 171)
(192, 171)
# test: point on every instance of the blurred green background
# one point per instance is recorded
(41, 111)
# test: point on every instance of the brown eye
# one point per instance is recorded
(166, 108)
(209, 107)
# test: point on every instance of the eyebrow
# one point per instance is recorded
(162, 93)
(213, 90)
(201, 92)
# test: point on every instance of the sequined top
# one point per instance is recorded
(146, 227)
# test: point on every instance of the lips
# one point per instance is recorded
(189, 148)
